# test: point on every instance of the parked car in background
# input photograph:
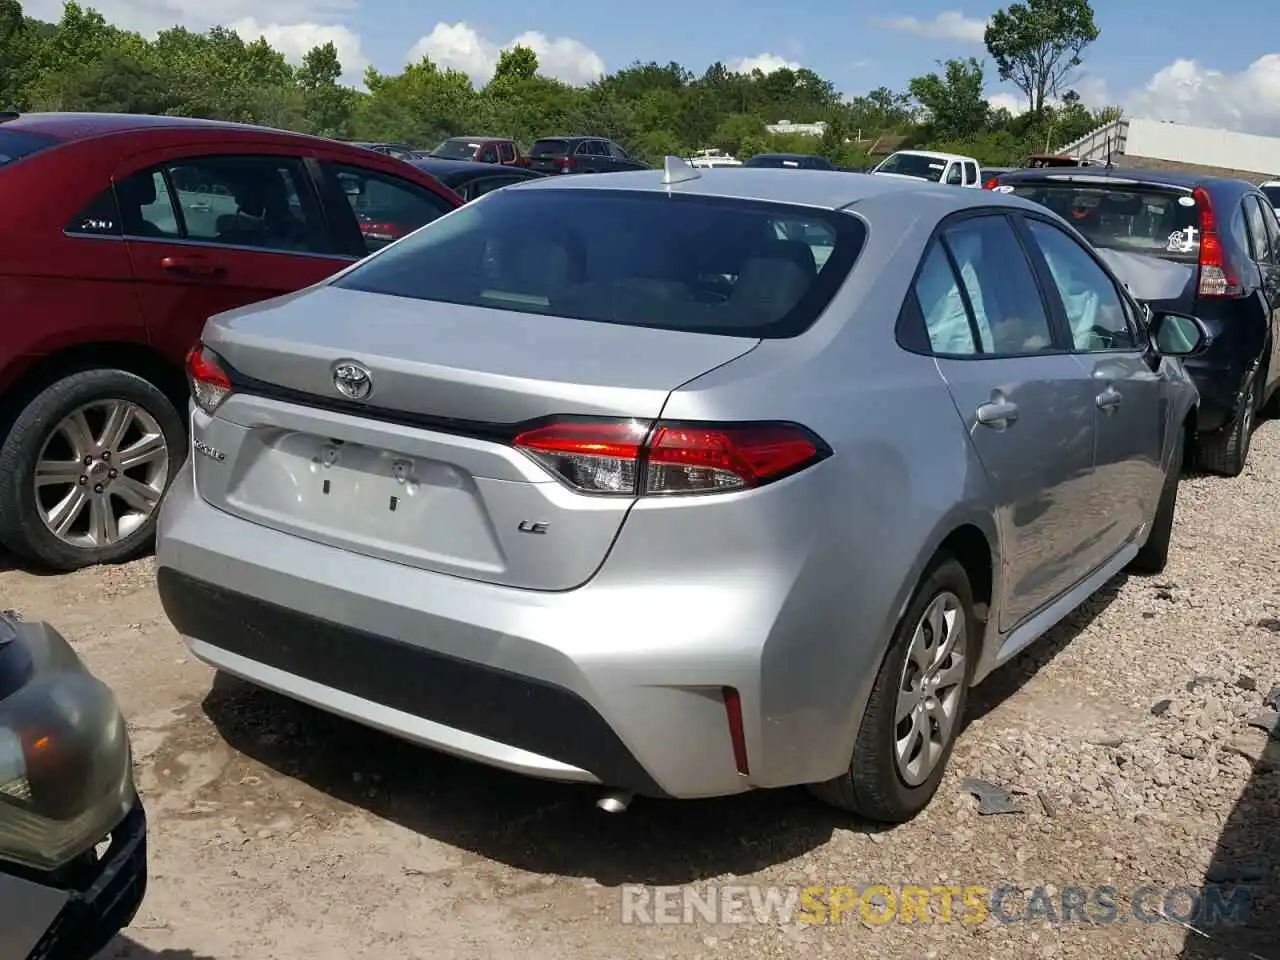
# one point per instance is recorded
(421, 489)
(400, 151)
(580, 155)
(992, 175)
(121, 236)
(1271, 189)
(1208, 246)
(470, 180)
(789, 161)
(948, 168)
(73, 831)
(480, 149)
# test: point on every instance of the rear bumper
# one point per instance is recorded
(618, 683)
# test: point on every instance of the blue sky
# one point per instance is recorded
(1166, 62)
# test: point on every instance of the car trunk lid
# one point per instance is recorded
(421, 471)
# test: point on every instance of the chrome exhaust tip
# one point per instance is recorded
(614, 801)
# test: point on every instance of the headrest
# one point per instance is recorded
(137, 190)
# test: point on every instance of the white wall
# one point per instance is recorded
(1200, 145)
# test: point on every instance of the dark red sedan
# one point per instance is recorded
(120, 236)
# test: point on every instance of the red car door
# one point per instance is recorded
(210, 231)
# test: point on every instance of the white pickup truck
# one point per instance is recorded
(946, 168)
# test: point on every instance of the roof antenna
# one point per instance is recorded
(675, 170)
(1108, 151)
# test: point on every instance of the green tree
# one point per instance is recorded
(954, 101)
(328, 104)
(1038, 43)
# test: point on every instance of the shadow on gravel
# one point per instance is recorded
(1014, 675)
(1238, 916)
(122, 948)
(547, 827)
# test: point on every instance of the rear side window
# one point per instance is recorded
(1135, 218)
(1259, 240)
(549, 148)
(970, 172)
(507, 151)
(14, 145)
(709, 265)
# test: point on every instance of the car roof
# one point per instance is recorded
(824, 189)
(788, 156)
(1133, 175)
(444, 168)
(77, 126)
(481, 137)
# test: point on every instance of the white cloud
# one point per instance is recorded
(1092, 90)
(295, 40)
(1189, 92)
(1008, 101)
(764, 62)
(461, 47)
(948, 25)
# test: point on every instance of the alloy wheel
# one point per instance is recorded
(930, 689)
(101, 473)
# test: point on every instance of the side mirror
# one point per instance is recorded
(1178, 335)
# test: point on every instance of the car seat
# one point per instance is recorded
(133, 194)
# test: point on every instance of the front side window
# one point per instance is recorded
(970, 172)
(507, 152)
(712, 265)
(489, 154)
(248, 202)
(1001, 294)
(386, 208)
(1094, 308)
(955, 175)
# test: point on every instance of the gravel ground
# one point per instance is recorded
(1123, 739)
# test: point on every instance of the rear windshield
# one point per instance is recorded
(549, 148)
(1156, 221)
(457, 149)
(1272, 194)
(702, 264)
(795, 163)
(14, 145)
(913, 165)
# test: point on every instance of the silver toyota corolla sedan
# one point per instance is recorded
(680, 483)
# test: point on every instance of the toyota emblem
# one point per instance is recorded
(352, 379)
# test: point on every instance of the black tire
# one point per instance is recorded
(872, 786)
(1225, 452)
(1154, 555)
(21, 528)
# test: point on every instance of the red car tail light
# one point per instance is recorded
(210, 385)
(567, 164)
(991, 184)
(637, 458)
(1216, 276)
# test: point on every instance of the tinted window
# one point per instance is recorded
(970, 172)
(1003, 299)
(617, 151)
(248, 202)
(950, 325)
(488, 184)
(489, 154)
(1094, 308)
(507, 151)
(1259, 241)
(914, 165)
(386, 207)
(146, 208)
(457, 149)
(767, 160)
(99, 218)
(14, 145)
(1272, 194)
(1272, 224)
(1139, 219)
(641, 259)
(549, 148)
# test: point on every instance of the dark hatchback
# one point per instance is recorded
(580, 155)
(1207, 246)
(471, 179)
(790, 161)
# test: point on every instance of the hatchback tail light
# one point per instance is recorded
(567, 164)
(639, 458)
(1216, 277)
(210, 385)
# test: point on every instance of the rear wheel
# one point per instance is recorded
(1224, 452)
(83, 469)
(916, 707)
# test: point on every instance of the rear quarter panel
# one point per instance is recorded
(903, 476)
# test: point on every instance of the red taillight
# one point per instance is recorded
(737, 736)
(1216, 276)
(210, 385)
(637, 458)
(567, 164)
(991, 184)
